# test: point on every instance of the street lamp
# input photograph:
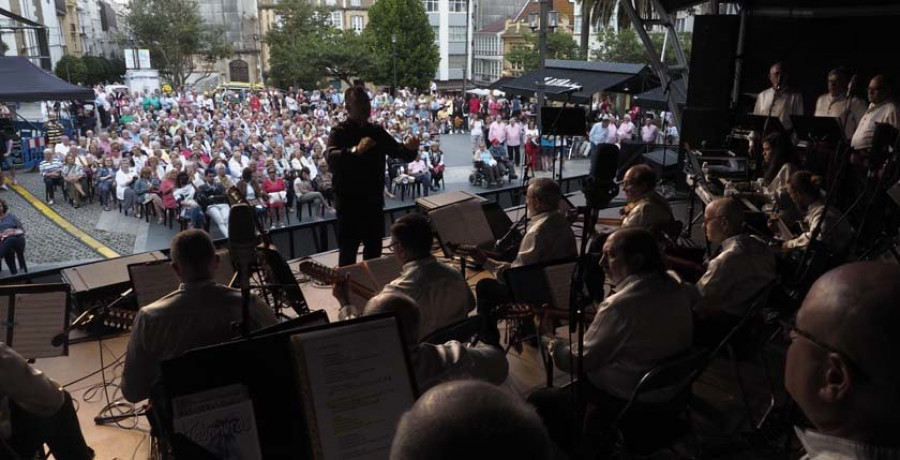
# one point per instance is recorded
(394, 44)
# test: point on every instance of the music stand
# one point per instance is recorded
(33, 314)
(817, 129)
(760, 123)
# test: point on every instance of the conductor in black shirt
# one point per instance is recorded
(356, 155)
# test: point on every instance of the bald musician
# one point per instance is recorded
(882, 109)
(471, 420)
(843, 363)
(779, 101)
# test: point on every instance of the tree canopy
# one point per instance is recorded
(417, 53)
(177, 37)
(71, 69)
(559, 46)
(626, 46)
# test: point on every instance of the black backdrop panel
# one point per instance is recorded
(811, 47)
(712, 61)
(564, 121)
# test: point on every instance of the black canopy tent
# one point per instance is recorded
(656, 97)
(22, 81)
(580, 80)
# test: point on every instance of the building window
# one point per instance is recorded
(356, 3)
(680, 24)
(458, 34)
(456, 61)
(458, 6)
(337, 19)
(330, 2)
(356, 22)
(431, 6)
(437, 32)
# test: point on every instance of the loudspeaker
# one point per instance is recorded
(563, 121)
(713, 50)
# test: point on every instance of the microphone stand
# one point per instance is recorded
(87, 318)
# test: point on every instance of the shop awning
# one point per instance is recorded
(657, 98)
(579, 80)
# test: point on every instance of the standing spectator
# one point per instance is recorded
(51, 171)
(532, 145)
(626, 129)
(6, 155)
(12, 237)
(514, 132)
(476, 129)
(649, 132)
(497, 131)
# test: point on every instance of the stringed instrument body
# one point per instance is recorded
(331, 276)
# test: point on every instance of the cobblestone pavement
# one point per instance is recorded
(49, 245)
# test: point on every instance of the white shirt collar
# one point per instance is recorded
(823, 446)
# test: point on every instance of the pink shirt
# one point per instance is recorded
(416, 167)
(497, 131)
(514, 134)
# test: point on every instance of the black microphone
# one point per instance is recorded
(86, 318)
(242, 249)
(242, 239)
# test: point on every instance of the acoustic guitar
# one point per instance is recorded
(331, 276)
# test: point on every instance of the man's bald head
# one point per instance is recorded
(843, 365)
(472, 420)
(403, 306)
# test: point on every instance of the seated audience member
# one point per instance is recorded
(324, 183)
(51, 172)
(274, 187)
(843, 363)
(146, 190)
(418, 169)
(12, 237)
(504, 163)
(184, 194)
(436, 164)
(471, 420)
(548, 238)
(488, 164)
(305, 191)
(213, 200)
(809, 198)
(36, 411)
(249, 190)
(106, 181)
(646, 208)
(734, 278)
(74, 178)
(440, 291)
(125, 178)
(646, 320)
(199, 313)
(433, 364)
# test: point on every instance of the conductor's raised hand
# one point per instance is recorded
(412, 143)
(364, 145)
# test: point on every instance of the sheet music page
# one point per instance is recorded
(152, 282)
(559, 278)
(359, 274)
(449, 225)
(39, 317)
(383, 270)
(221, 421)
(359, 385)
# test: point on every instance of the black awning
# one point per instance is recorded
(656, 98)
(22, 81)
(579, 80)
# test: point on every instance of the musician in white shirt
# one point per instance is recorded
(835, 103)
(881, 110)
(779, 101)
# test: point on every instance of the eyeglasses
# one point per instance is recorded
(790, 327)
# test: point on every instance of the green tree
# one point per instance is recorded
(559, 46)
(177, 37)
(346, 57)
(71, 69)
(297, 44)
(3, 47)
(417, 53)
(116, 70)
(95, 70)
(596, 13)
(626, 46)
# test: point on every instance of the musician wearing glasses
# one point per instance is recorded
(646, 320)
(442, 294)
(839, 103)
(733, 279)
(843, 363)
(882, 109)
(549, 237)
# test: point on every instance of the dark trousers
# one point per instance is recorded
(8, 249)
(59, 431)
(557, 409)
(515, 154)
(709, 332)
(50, 184)
(489, 294)
(355, 226)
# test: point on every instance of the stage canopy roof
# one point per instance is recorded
(22, 81)
(656, 97)
(582, 79)
(674, 5)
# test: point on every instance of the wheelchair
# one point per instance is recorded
(479, 177)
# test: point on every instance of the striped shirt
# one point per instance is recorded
(50, 167)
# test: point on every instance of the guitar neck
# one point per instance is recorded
(330, 276)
